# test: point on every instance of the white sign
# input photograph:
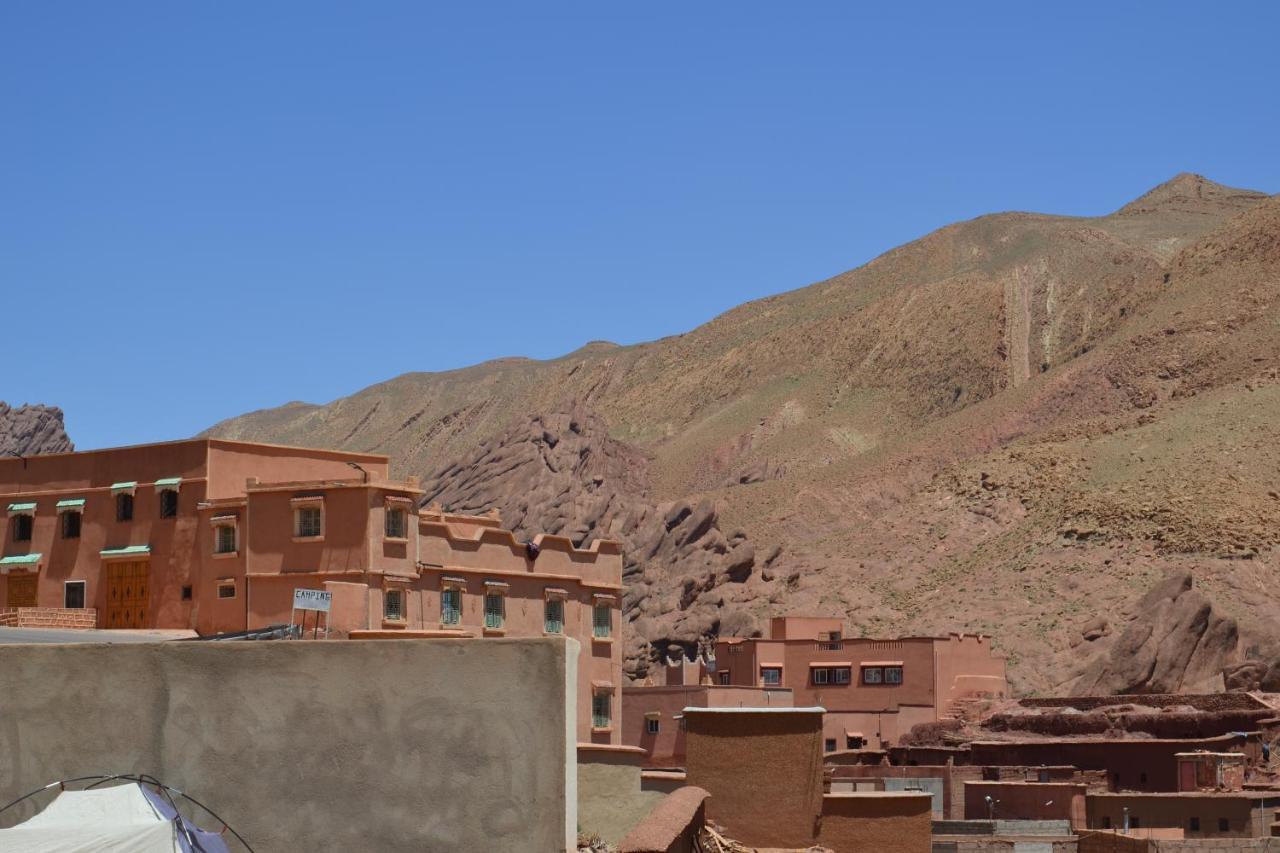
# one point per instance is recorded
(312, 599)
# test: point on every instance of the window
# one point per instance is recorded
(553, 616)
(724, 677)
(22, 528)
(841, 675)
(186, 592)
(124, 507)
(1106, 822)
(494, 610)
(601, 620)
(450, 606)
(872, 675)
(893, 675)
(224, 539)
(395, 522)
(71, 524)
(1134, 821)
(393, 605)
(1194, 824)
(651, 725)
(73, 594)
(1224, 825)
(771, 676)
(308, 522)
(168, 503)
(851, 742)
(829, 745)
(820, 676)
(600, 716)
(226, 589)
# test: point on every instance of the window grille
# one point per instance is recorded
(227, 589)
(872, 675)
(395, 523)
(168, 503)
(493, 610)
(22, 528)
(600, 716)
(651, 725)
(602, 620)
(841, 675)
(71, 525)
(226, 538)
(393, 605)
(821, 676)
(893, 675)
(451, 606)
(553, 616)
(308, 521)
(124, 507)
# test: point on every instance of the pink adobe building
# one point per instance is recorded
(874, 691)
(216, 536)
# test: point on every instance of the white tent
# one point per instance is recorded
(120, 819)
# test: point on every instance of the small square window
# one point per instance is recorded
(71, 525)
(22, 525)
(872, 675)
(73, 594)
(821, 676)
(168, 503)
(186, 592)
(771, 676)
(724, 677)
(308, 522)
(829, 745)
(396, 525)
(393, 605)
(652, 725)
(841, 675)
(226, 589)
(124, 507)
(893, 675)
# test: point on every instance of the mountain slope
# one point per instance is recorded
(1002, 426)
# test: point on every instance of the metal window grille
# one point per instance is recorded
(71, 525)
(22, 528)
(600, 711)
(451, 606)
(124, 507)
(553, 613)
(226, 539)
(602, 620)
(308, 521)
(893, 675)
(393, 605)
(872, 675)
(395, 523)
(651, 726)
(493, 611)
(842, 675)
(227, 589)
(168, 503)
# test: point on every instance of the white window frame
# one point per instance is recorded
(868, 670)
(895, 669)
(84, 595)
(765, 682)
(820, 675)
(841, 675)
(219, 524)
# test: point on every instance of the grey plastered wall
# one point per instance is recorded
(611, 799)
(932, 784)
(460, 745)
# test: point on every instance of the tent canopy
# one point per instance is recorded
(119, 819)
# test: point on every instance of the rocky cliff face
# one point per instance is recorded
(30, 430)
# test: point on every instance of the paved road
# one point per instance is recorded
(62, 635)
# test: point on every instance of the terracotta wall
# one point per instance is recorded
(1175, 811)
(666, 748)
(899, 822)
(1027, 801)
(763, 770)
(232, 463)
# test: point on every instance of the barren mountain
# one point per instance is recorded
(1012, 425)
(30, 430)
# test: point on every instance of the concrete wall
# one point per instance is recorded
(763, 769)
(460, 745)
(611, 798)
(883, 822)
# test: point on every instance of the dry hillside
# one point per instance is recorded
(1016, 425)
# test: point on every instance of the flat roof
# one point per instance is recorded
(205, 440)
(766, 710)
(876, 795)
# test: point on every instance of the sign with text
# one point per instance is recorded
(312, 599)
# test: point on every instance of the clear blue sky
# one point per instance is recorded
(208, 208)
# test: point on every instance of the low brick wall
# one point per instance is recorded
(673, 825)
(48, 617)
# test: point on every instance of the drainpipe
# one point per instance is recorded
(248, 502)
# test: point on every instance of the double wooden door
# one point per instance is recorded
(22, 591)
(128, 594)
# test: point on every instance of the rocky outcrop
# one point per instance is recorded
(1174, 642)
(562, 473)
(31, 430)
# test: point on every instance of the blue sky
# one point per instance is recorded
(211, 208)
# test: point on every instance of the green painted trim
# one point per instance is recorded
(120, 487)
(71, 503)
(20, 560)
(125, 552)
(168, 482)
(27, 507)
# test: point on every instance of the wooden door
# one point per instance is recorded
(128, 594)
(22, 590)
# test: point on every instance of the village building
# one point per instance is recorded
(216, 536)
(874, 691)
(653, 715)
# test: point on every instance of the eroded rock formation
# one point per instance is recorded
(31, 430)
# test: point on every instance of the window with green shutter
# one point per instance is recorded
(602, 620)
(553, 612)
(600, 716)
(493, 610)
(451, 606)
